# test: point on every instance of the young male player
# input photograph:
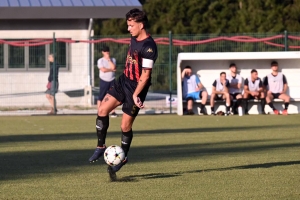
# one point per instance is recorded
(277, 88)
(220, 92)
(130, 89)
(192, 90)
(253, 89)
(235, 81)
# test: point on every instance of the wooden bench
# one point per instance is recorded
(209, 66)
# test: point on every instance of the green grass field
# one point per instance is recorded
(172, 157)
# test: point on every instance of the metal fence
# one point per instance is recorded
(24, 67)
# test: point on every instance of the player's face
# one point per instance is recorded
(188, 72)
(233, 69)
(134, 27)
(223, 77)
(274, 68)
(254, 75)
(50, 58)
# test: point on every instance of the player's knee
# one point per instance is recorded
(102, 111)
(204, 94)
(125, 127)
(287, 98)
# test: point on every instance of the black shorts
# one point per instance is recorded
(276, 95)
(219, 97)
(103, 88)
(122, 90)
(234, 95)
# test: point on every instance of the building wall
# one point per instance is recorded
(25, 88)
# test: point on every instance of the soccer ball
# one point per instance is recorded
(114, 155)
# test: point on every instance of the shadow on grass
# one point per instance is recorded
(83, 136)
(135, 178)
(19, 165)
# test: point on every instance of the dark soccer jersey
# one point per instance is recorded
(139, 50)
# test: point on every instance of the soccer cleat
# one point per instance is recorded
(113, 169)
(276, 112)
(213, 113)
(284, 112)
(97, 154)
(263, 113)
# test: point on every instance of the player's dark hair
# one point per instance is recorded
(188, 67)
(222, 73)
(274, 63)
(138, 16)
(253, 70)
(232, 65)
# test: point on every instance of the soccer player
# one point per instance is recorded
(130, 89)
(192, 89)
(220, 92)
(235, 81)
(277, 87)
(253, 89)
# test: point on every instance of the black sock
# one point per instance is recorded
(227, 109)
(271, 105)
(126, 141)
(202, 106)
(246, 105)
(262, 103)
(212, 109)
(238, 102)
(102, 124)
(286, 105)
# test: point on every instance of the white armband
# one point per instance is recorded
(147, 63)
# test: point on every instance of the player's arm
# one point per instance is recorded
(226, 86)
(285, 85)
(246, 87)
(182, 74)
(261, 89)
(148, 59)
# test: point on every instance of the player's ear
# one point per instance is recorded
(141, 26)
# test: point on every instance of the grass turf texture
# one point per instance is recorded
(172, 157)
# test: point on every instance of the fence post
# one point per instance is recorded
(54, 71)
(170, 69)
(90, 62)
(286, 46)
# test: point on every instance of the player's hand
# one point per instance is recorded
(137, 101)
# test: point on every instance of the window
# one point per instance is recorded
(1, 56)
(37, 57)
(32, 57)
(16, 57)
(60, 54)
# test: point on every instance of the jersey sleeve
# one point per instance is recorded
(149, 55)
(197, 80)
(284, 79)
(240, 80)
(214, 83)
(265, 81)
(114, 61)
(99, 63)
(260, 84)
(227, 83)
(246, 82)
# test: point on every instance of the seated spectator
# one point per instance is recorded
(235, 81)
(253, 89)
(277, 88)
(220, 92)
(193, 90)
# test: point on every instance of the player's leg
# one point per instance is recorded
(239, 99)
(227, 98)
(262, 102)
(232, 103)
(203, 96)
(51, 101)
(269, 99)
(212, 103)
(246, 98)
(102, 123)
(286, 99)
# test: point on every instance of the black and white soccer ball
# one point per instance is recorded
(114, 155)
